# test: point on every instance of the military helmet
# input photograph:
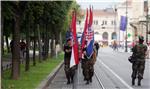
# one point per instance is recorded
(141, 38)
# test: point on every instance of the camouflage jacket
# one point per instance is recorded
(139, 51)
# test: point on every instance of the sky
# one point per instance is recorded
(98, 4)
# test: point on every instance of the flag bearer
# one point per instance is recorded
(88, 66)
(68, 71)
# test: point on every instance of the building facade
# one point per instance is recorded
(106, 22)
(104, 25)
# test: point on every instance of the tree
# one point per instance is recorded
(6, 23)
(14, 10)
(27, 21)
(37, 13)
(42, 21)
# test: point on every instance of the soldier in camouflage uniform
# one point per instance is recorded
(68, 71)
(88, 66)
(139, 51)
(83, 61)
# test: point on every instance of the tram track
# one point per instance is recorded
(99, 80)
(117, 81)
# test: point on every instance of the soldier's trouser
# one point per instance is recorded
(83, 67)
(89, 71)
(69, 73)
(138, 69)
(72, 72)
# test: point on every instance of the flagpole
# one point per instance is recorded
(126, 47)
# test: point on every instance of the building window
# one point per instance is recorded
(96, 22)
(113, 36)
(112, 22)
(105, 22)
(103, 27)
(96, 33)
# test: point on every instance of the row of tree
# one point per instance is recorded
(38, 22)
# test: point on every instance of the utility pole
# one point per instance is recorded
(126, 46)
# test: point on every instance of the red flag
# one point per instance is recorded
(91, 18)
(74, 56)
(84, 32)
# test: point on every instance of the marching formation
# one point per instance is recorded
(86, 51)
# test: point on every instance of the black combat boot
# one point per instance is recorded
(87, 82)
(133, 81)
(90, 79)
(68, 82)
(84, 79)
(139, 82)
(71, 80)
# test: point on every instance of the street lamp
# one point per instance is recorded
(147, 22)
(115, 24)
(126, 48)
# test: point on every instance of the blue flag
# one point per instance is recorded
(68, 35)
(123, 23)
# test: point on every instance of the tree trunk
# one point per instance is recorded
(47, 42)
(16, 49)
(40, 44)
(2, 39)
(7, 43)
(27, 65)
(60, 39)
(44, 43)
(2, 42)
(34, 47)
(57, 37)
(52, 42)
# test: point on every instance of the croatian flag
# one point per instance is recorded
(90, 36)
(74, 55)
(83, 39)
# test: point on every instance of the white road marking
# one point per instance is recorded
(129, 87)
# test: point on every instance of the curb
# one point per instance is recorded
(45, 83)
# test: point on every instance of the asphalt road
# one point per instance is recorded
(115, 70)
(112, 70)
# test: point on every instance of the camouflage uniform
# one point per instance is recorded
(138, 66)
(68, 71)
(88, 67)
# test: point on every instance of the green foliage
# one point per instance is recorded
(49, 12)
(7, 11)
(32, 78)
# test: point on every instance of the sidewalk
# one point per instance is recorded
(60, 81)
